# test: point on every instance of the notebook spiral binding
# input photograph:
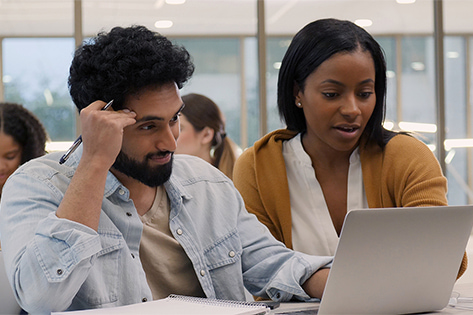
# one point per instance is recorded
(227, 303)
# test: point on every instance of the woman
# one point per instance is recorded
(203, 134)
(335, 155)
(22, 138)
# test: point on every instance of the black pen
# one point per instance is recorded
(78, 141)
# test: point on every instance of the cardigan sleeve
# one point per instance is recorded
(405, 174)
(420, 177)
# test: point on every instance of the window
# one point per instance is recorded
(35, 74)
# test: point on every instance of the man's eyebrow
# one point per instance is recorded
(180, 109)
(151, 117)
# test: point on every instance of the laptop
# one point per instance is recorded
(8, 304)
(397, 260)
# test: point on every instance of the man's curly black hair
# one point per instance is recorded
(123, 62)
(25, 128)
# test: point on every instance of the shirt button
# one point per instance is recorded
(144, 299)
(129, 214)
(59, 272)
(132, 256)
(202, 273)
(179, 232)
(121, 192)
(231, 254)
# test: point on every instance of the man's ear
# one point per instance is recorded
(207, 135)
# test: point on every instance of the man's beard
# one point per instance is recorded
(141, 171)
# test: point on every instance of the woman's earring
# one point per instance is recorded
(299, 104)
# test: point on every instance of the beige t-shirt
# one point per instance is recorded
(167, 267)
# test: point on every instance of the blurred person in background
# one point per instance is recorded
(22, 138)
(203, 133)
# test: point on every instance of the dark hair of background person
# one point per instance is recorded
(25, 128)
(123, 62)
(202, 112)
(310, 47)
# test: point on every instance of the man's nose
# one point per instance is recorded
(167, 140)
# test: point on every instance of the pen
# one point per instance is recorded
(78, 141)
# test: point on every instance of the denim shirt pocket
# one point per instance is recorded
(224, 251)
(102, 284)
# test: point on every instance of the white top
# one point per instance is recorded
(312, 228)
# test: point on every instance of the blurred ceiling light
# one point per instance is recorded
(158, 4)
(7, 78)
(458, 143)
(418, 66)
(363, 22)
(389, 125)
(48, 96)
(450, 156)
(418, 127)
(175, 1)
(432, 147)
(405, 1)
(163, 24)
(453, 54)
(390, 74)
(277, 65)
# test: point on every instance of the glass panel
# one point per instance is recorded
(217, 75)
(35, 72)
(276, 48)
(252, 93)
(458, 74)
(469, 72)
(455, 116)
(389, 46)
(418, 99)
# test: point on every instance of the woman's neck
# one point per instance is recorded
(323, 155)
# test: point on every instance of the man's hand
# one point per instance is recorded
(315, 285)
(102, 133)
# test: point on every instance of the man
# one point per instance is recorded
(123, 221)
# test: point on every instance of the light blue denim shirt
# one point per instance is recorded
(55, 264)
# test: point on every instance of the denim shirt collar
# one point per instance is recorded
(175, 189)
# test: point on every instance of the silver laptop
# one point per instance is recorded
(397, 260)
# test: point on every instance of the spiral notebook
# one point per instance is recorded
(182, 305)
